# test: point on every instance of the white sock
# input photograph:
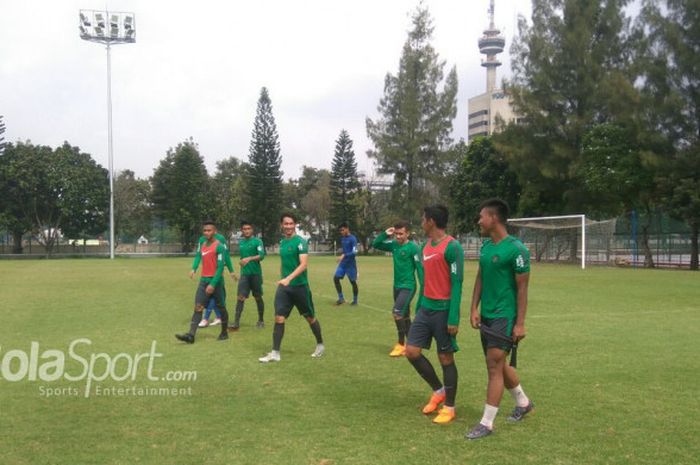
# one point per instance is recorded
(490, 413)
(440, 391)
(521, 400)
(276, 352)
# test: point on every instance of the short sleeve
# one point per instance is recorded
(521, 259)
(303, 247)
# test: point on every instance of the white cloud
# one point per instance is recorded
(197, 69)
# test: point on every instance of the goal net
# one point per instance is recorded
(567, 238)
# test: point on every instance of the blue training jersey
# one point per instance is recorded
(349, 245)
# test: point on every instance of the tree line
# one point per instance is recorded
(608, 111)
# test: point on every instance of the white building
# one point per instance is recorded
(486, 109)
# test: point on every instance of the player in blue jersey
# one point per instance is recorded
(346, 264)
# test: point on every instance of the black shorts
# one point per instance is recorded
(250, 282)
(402, 302)
(502, 327)
(201, 298)
(288, 297)
(428, 325)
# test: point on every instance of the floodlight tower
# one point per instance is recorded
(491, 44)
(121, 30)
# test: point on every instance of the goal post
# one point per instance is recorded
(565, 237)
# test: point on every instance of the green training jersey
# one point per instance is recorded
(406, 260)
(198, 254)
(250, 248)
(290, 249)
(499, 263)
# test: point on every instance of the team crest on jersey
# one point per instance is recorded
(495, 259)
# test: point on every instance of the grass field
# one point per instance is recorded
(609, 361)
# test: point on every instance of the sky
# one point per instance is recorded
(197, 68)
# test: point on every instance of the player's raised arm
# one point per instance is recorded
(382, 241)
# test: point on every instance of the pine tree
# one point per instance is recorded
(412, 135)
(344, 184)
(264, 184)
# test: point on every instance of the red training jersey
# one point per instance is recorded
(209, 262)
(436, 270)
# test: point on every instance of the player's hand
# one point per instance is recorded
(210, 289)
(390, 231)
(284, 282)
(339, 259)
(452, 330)
(192, 273)
(244, 261)
(518, 333)
(475, 319)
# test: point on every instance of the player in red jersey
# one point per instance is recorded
(437, 314)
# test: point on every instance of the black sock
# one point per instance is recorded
(196, 319)
(338, 287)
(449, 374)
(239, 311)
(316, 329)
(426, 370)
(400, 331)
(224, 320)
(355, 290)
(406, 325)
(277, 335)
(261, 307)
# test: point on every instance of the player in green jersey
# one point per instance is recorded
(211, 254)
(293, 289)
(252, 253)
(501, 288)
(211, 305)
(407, 264)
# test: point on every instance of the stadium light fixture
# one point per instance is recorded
(122, 30)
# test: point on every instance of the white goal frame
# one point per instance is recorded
(562, 217)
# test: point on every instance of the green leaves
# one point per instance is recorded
(264, 174)
(344, 184)
(52, 192)
(412, 135)
(181, 191)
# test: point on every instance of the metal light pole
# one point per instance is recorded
(122, 30)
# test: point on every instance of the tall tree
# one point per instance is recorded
(618, 176)
(671, 86)
(344, 184)
(180, 189)
(132, 207)
(82, 189)
(228, 186)
(481, 173)
(571, 70)
(20, 182)
(53, 191)
(316, 205)
(264, 182)
(412, 135)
